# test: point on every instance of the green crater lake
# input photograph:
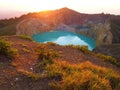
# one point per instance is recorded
(64, 38)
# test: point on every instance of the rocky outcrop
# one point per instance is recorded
(115, 29)
(99, 32)
(103, 34)
(31, 26)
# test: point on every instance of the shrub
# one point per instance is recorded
(26, 50)
(34, 76)
(26, 37)
(6, 49)
(46, 56)
(51, 43)
(108, 59)
(83, 49)
(115, 82)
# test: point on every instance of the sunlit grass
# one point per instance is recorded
(34, 76)
(25, 37)
(84, 76)
(45, 56)
(6, 49)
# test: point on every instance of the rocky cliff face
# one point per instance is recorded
(115, 29)
(99, 32)
(103, 34)
(67, 19)
(31, 26)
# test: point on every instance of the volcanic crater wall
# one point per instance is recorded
(99, 32)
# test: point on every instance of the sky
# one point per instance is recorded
(11, 8)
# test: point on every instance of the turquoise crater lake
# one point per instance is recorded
(64, 38)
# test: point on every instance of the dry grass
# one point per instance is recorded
(84, 76)
(108, 59)
(6, 49)
(25, 37)
(34, 76)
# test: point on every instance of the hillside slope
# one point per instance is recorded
(115, 29)
(8, 26)
(27, 65)
(111, 50)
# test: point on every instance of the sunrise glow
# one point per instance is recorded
(83, 6)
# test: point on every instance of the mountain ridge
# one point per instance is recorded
(96, 26)
(64, 19)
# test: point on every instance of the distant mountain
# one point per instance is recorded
(69, 16)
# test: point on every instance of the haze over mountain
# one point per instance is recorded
(10, 14)
(83, 6)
